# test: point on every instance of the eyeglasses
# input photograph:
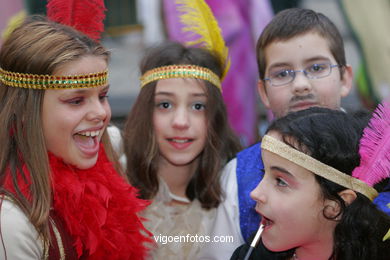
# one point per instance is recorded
(314, 71)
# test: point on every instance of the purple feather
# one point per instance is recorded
(375, 148)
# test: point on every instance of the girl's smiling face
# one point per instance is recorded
(291, 205)
(179, 120)
(74, 120)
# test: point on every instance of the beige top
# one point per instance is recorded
(187, 223)
(20, 240)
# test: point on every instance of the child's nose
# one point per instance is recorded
(258, 195)
(97, 111)
(181, 119)
(301, 83)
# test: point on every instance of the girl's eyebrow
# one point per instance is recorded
(163, 93)
(83, 90)
(282, 170)
(199, 94)
(106, 88)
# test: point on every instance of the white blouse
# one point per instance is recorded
(20, 239)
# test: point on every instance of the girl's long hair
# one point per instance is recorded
(38, 46)
(140, 145)
(332, 137)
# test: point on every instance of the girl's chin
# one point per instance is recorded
(273, 247)
(87, 164)
(83, 163)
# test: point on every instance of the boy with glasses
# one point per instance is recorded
(301, 62)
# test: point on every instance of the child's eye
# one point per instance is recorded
(198, 106)
(316, 68)
(281, 74)
(280, 182)
(103, 96)
(164, 105)
(75, 101)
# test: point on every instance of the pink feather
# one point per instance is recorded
(85, 16)
(375, 148)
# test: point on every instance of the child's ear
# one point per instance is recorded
(263, 93)
(346, 81)
(348, 196)
(332, 208)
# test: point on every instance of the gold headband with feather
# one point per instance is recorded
(197, 18)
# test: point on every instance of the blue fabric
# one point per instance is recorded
(383, 200)
(249, 174)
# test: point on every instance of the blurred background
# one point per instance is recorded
(131, 26)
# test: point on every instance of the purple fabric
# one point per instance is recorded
(7, 10)
(236, 19)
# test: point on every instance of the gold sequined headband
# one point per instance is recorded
(180, 71)
(34, 81)
(275, 146)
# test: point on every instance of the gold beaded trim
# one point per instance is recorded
(275, 146)
(180, 71)
(60, 245)
(34, 81)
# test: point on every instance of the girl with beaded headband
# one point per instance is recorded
(62, 196)
(177, 137)
(312, 202)
(176, 141)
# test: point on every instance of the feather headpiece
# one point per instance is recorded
(85, 16)
(375, 148)
(13, 22)
(387, 236)
(198, 19)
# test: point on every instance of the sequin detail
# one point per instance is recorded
(180, 71)
(34, 81)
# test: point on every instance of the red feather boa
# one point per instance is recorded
(98, 208)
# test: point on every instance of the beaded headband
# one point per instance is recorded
(34, 81)
(180, 71)
(275, 146)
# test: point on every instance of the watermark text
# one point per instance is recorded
(164, 239)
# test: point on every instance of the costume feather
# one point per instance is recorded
(387, 236)
(198, 18)
(375, 148)
(13, 23)
(85, 16)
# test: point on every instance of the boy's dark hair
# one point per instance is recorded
(140, 145)
(332, 137)
(293, 22)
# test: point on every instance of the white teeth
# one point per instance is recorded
(90, 133)
(180, 141)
